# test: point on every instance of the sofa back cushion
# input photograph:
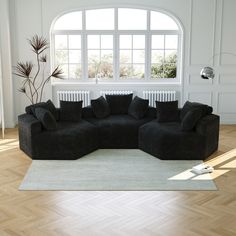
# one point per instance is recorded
(167, 111)
(205, 109)
(100, 107)
(70, 111)
(46, 118)
(138, 107)
(119, 104)
(46, 105)
(190, 119)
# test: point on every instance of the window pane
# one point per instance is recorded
(70, 21)
(93, 41)
(94, 56)
(92, 71)
(74, 41)
(107, 56)
(107, 41)
(101, 19)
(60, 41)
(138, 56)
(105, 70)
(138, 71)
(132, 19)
(170, 56)
(125, 41)
(171, 42)
(160, 21)
(126, 71)
(138, 41)
(75, 71)
(61, 57)
(74, 56)
(125, 56)
(157, 41)
(157, 56)
(65, 70)
(156, 71)
(169, 70)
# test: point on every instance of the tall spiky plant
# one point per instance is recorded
(32, 85)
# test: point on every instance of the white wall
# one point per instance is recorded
(5, 52)
(208, 29)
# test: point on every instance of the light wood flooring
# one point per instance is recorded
(164, 213)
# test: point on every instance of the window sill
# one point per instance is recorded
(100, 83)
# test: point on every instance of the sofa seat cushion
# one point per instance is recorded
(71, 140)
(118, 131)
(168, 141)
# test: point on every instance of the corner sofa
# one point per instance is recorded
(74, 139)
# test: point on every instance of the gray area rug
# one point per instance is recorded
(115, 169)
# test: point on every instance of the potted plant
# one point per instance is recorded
(34, 79)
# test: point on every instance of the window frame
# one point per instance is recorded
(116, 35)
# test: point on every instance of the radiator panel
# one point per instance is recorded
(162, 96)
(74, 96)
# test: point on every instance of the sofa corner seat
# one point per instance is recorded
(168, 142)
(70, 141)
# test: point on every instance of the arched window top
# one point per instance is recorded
(69, 21)
(161, 21)
(104, 19)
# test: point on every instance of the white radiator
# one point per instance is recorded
(162, 96)
(74, 96)
(115, 92)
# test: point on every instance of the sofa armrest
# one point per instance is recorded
(208, 127)
(87, 112)
(208, 124)
(29, 124)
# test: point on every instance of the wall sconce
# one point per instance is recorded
(208, 72)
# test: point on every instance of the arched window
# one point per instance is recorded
(117, 44)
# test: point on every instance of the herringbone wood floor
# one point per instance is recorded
(54, 213)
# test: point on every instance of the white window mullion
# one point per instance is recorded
(68, 57)
(164, 59)
(53, 54)
(116, 49)
(84, 57)
(100, 55)
(132, 54)
(148, 52)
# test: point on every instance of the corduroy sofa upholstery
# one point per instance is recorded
(73, 140)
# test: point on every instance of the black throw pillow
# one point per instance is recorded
(206, 110)
(190, 119)
(52, 109)
(70, 111)
(31, 108)
(119, 104)
(167, 111)
(100, 107)
(138, 107)
(46, 118)
(46, 105)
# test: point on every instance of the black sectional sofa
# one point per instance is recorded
(122, 124)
